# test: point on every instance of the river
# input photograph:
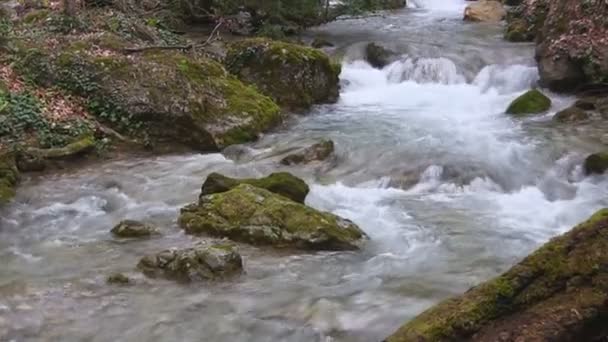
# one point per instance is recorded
(451, 191)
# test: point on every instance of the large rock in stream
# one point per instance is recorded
(281, 183)
(201, 262)
(531, 102)
(295, 76)
(558, 293)
(260, 217)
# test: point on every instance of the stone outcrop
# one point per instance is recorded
(558, 293)
(9, 176)
(378, 56)
(260, 217)
(295, 76)
(596, 163)
(571, 37)
(571, 114)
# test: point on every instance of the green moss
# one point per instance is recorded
(79, 146)
(532, 102)
(596, 163)
(549, 272)
(282, 183)
(36, 16)
(257, 216)
(295, 76)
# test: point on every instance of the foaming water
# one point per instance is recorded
(427, 163)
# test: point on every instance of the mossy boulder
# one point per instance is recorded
(558, 293)
(295, 76)
(164, 97)
(260, 217)
(532, 102)
(282, 183)
(485, 11)
(317, 152)
(596, 163)
(518, 30)
(9, 176)
(133, 229)
(199, 263)
(571, 114)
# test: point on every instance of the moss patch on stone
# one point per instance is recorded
(532, 102)
(9, 177)
(570, 267)
(596, 163)
(260, 217)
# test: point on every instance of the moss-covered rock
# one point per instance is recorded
(164, 97)
(295, 76)
(596, 163)
(317, 152)
(260, 217)
(133, 229)
(202, 262)
(532, 102)
(558, 293)
(571, 114)
(282, 183)
(9, 176)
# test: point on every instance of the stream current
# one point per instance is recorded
(450, 189)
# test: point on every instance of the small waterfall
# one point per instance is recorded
(425, 70)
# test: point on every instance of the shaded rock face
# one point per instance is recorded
(485, 10)
(296, 77)
(531, 102)
(596, 163)
(260, 217)
(200, 263)
(133, 229)
(167, 97)
(378, 56)
(9, 177)
(558, 293)
(572, 43)
(281, 183)
(571, 114)
(317, 152)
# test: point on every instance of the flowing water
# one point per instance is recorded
(451, 190)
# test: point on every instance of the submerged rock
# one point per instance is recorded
(596, 163)
(532, 102)
(558, 293)
(282, 183)
(378, 56)
(295, 76)
(198, 263)
(485, 10)
(571, 114)
(260, 217)
(319, 42)
(133, 229)
(9, 177)
(118, 278)
(317, 152)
